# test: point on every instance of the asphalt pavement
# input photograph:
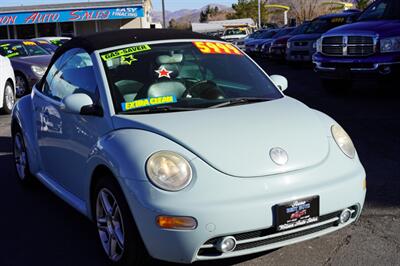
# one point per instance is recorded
(37, 228)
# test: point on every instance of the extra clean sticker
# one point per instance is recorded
(217, 48)
(126, 53)
(148, 102)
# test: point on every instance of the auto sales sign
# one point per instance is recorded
(70, 15)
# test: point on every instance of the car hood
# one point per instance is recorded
(237, 140)
(261, 41)
(228, 37)
(38, 60)
(306, 37)
(377, 27)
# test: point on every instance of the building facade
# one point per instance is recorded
(73, 19)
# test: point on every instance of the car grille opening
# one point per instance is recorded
(295, 53)
(348, 65)
(300, 43)
(348, 45)
(258, 238)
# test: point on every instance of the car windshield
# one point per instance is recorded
(51, 48)
(283, 32)
(325, 24)
(183, 75)
(23, 48)
(235, 32)
(267, 34)
(380, 10)
(300, 29)
(58, 42)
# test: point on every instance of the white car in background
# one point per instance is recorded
(7, 85)
(234, 34)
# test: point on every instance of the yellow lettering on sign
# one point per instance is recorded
(125, 52)
(217, 48)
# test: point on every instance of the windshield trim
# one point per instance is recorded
(104, 79)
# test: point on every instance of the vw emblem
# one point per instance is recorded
(278, 156)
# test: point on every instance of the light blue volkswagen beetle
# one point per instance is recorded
(179, 147)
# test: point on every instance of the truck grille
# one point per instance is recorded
(348, 45)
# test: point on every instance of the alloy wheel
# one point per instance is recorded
(21, 86)
(9, 97)
(110, 224)
(20, 156)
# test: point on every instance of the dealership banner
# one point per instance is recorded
(70, 15)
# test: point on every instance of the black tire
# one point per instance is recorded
(134, 252)
(9, 96)
(22, 86)
(22, 172)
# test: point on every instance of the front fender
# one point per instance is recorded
(23, 116)
(126, 151)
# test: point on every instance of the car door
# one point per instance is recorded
(65, 139)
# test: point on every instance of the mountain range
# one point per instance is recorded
(186, 15)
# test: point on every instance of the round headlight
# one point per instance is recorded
(169, 170)
(343, 140)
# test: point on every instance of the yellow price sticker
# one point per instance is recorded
(217, 48)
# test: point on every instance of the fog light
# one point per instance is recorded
(179, 223)
(345, 216)
(226, 244)
(385, 70)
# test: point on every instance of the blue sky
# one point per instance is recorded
(171, 5)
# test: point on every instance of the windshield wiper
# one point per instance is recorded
(159, 109)
(238, 101)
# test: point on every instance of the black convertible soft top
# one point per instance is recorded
(103, 40)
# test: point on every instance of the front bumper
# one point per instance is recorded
(224, 206)
(278, 52)
(357, 68)
(300, 53)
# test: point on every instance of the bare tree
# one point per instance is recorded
(306, 9)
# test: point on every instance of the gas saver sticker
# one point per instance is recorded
(125, 52)
(148, 102)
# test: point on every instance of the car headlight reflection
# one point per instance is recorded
(39, 71)
(343, 140)
(169, 170)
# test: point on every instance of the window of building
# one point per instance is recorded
(47, 29)
(26, 31)
(67, 29)
(109, 25)
(3, 32)
(85, 27)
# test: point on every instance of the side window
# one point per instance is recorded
(71, 73)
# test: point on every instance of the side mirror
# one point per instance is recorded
(280, 81)
(81, 103)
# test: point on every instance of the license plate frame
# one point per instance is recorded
(297, 213)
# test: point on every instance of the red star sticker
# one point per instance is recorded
(163, 72)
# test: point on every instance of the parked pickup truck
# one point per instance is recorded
(300, 48)
(370, 47)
